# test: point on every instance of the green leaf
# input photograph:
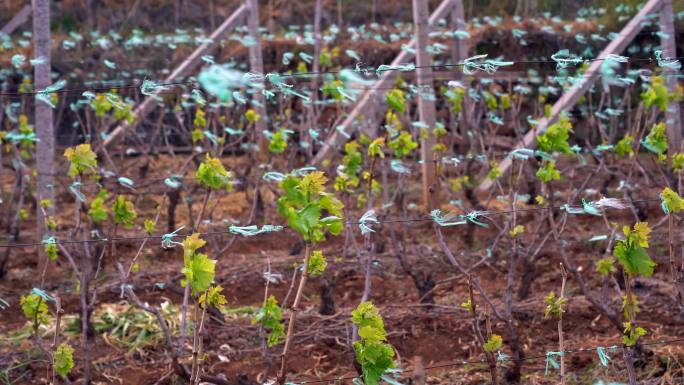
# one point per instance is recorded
(270, 316)
(332, 89)
(124, 110)
(35, 309)
(457, 184)
(200, 121)
(98, 211)
(375, 359)
(372, 352)
(605, 266)
(325, 58)
(331, 204)
(678, 162)
(278, 142)
(632, 334)
(673, 202)
(506, 101)
(403, 144)
(149, 225)
(313, 183)
(494, 172)
(304, 221)
(640, 233)
(631, 252)
(333, 224)
(439, 132)
(252, 116)
(352, 159)
(456, 99)
(491, 101)
(555, 139)
(213, 175)
(213, 297)
(346, 183)
(493, 344)
(196, 135)
(656, 141)
(51, 251)
(624, 146)
(635, 261)
(200, 271)
(375, 148)
(548, 172)
(303, 204)
(293, 198)
(554, 306)
(317, 263)
(191, 244)
(124, 212)
(468, 305)
(366, 314)
(657, 94)
(370, 333)
(28, 136)
(101, 105)
(64, 359)
(81, 159)
(517, 230)
(396, 100)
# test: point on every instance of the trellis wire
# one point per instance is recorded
(480, 214)
(307, 74)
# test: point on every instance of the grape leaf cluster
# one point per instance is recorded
(305, 203)
(373, 352)
(270, 316)
(631, 252)
(199, 270)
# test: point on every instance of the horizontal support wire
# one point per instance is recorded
(308, 74)
(481, 214)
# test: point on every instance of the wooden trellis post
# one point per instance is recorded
(669, 48)
(568, 99)
(20, 18)
(315, 69)
(459, 52)
(45, 148)
(459, 49)
(335, 139)
(426, 103)
(256, 64)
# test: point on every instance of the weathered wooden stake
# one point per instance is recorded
(19, 18)
(315, 69)
(459, 52)
(426, 103)
(256, 64)
(669, 47)
(45, 149)
(459, 49)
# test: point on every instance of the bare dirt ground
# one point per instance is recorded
(439, 333)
